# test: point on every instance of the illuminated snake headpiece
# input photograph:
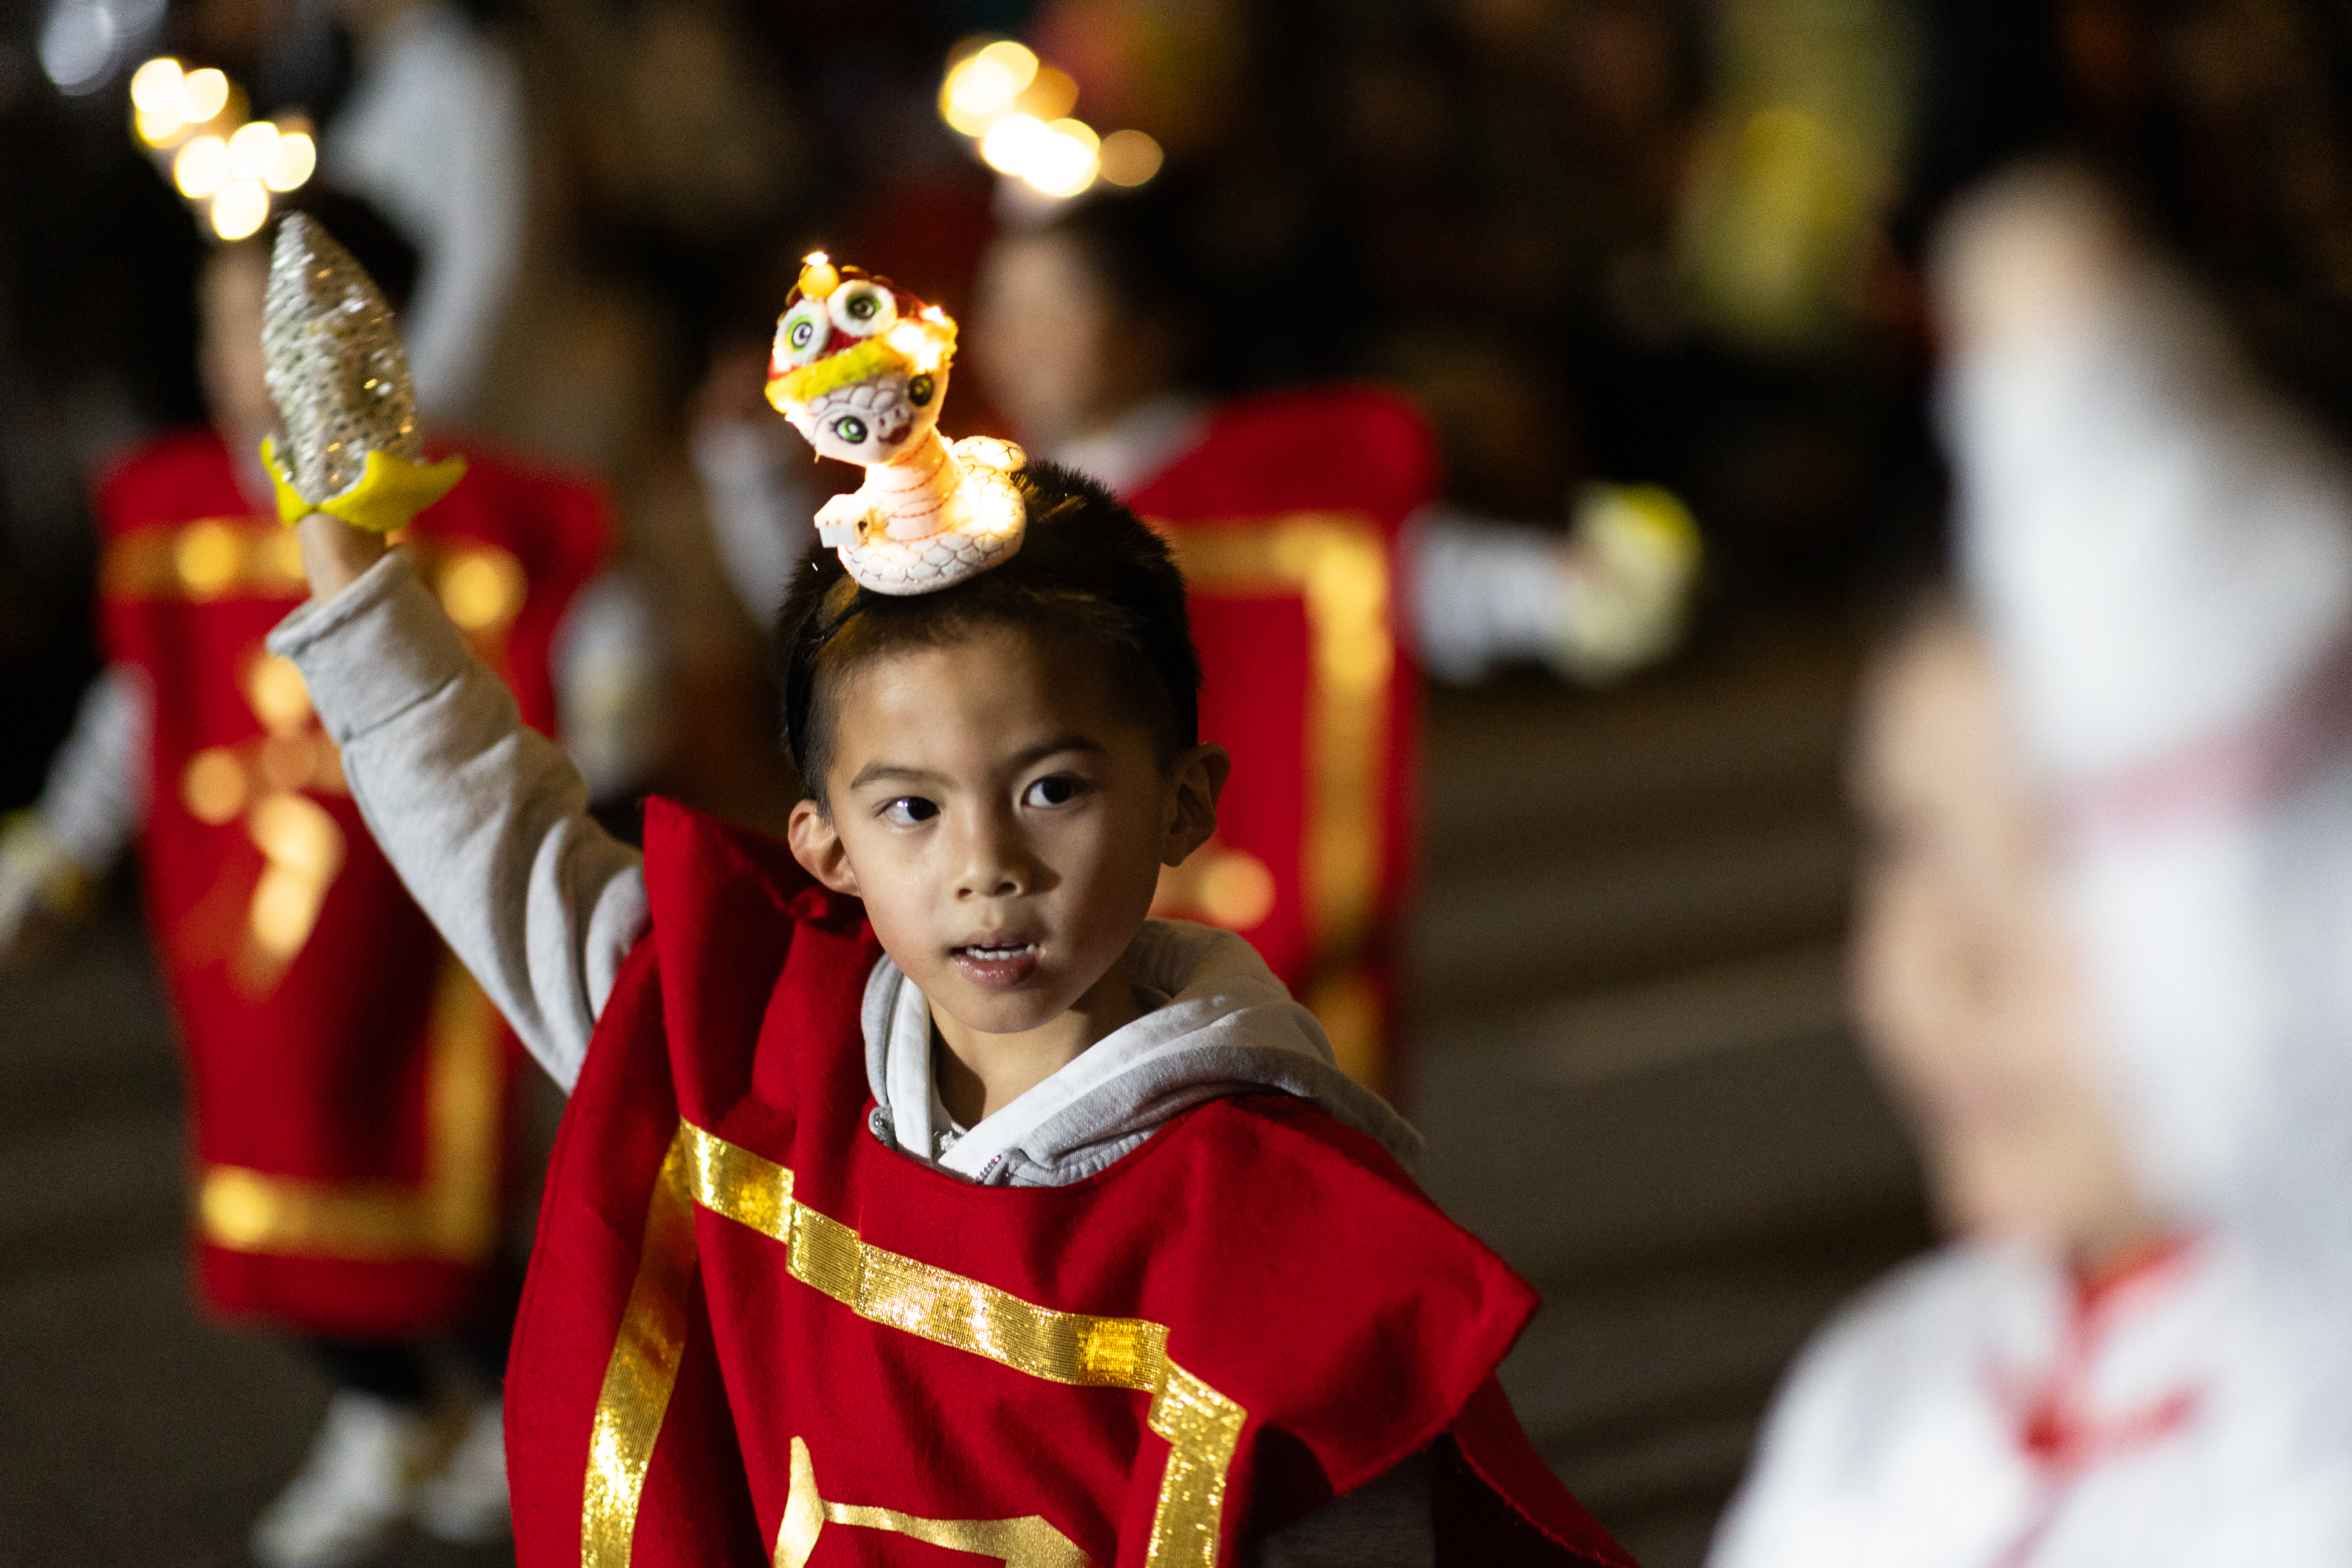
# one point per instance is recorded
(860, 368)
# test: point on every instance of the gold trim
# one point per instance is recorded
(204, 560)
(1337, 565)
(930, 1303)
(643, 1372)
(1202, 1427)
(219, 557)
(452, 1215)
(1029, 1541)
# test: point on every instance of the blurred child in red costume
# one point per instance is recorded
(349, 1085)
(915, 1183)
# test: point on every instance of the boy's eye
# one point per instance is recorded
(1059, 789)
(909, 810)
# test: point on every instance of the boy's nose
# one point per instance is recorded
(994, 864)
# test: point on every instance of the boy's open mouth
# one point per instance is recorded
(997, 964)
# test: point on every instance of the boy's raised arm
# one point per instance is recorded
(486, 820)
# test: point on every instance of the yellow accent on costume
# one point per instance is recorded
(1029, 1541)
(642, 1372)
(390, 493)
(454, 1215)
(1338, 566)
(1201, 1426)
(870, 358)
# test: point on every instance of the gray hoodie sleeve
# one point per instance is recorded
(486, 821)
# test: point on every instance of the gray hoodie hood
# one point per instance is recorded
(1223, 1025)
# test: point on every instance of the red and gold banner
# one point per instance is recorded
(348, 1080)
(1286, 518)
(754, 1333)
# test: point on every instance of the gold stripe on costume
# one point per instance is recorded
(481, 586)
(453, 1215)
(1202, 1427)
(884, 1287)
(1029, 1541)
(204, 560)
(1337, 565)
(641, 1374)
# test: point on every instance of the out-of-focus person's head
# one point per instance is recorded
(1080, 318)
(234, 284)
(2036, 249)
(1967, 984)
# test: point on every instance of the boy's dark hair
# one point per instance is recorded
(1089, 576)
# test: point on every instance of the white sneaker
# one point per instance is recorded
(351, 1493)
(464, 1502)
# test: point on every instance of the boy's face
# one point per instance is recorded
(1004, 820)
(1966, 979)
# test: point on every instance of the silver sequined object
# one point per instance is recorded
(338, 372)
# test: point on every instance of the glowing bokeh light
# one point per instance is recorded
(980, 89)
(1015, 60)
(1063, 162)
(155, 86)
(161, 127)
(241, 209)
(293, 158)
(201, 168)
(78, 46)
(253, 150)
(202, 94)
(1017, 110)
(1011, 142)
(1053, 94)
(1129, 158)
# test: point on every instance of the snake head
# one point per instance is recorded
(860, 365)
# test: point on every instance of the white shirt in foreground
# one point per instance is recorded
(1975, 1410)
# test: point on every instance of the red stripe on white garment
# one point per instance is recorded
(2052, 1423)
(2226, 776)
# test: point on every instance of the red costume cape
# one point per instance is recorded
(347, 1080)
(1286, 518)
(752, 1332)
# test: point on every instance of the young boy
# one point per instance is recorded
(915, 1186)
(2096, 960)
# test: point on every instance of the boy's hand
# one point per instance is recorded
(349, 456)
(334, 553)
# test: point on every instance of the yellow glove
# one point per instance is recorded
(391, 490)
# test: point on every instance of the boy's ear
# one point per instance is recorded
(1200, 779)
(817, 847)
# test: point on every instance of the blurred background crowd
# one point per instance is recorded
(1675, 245)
